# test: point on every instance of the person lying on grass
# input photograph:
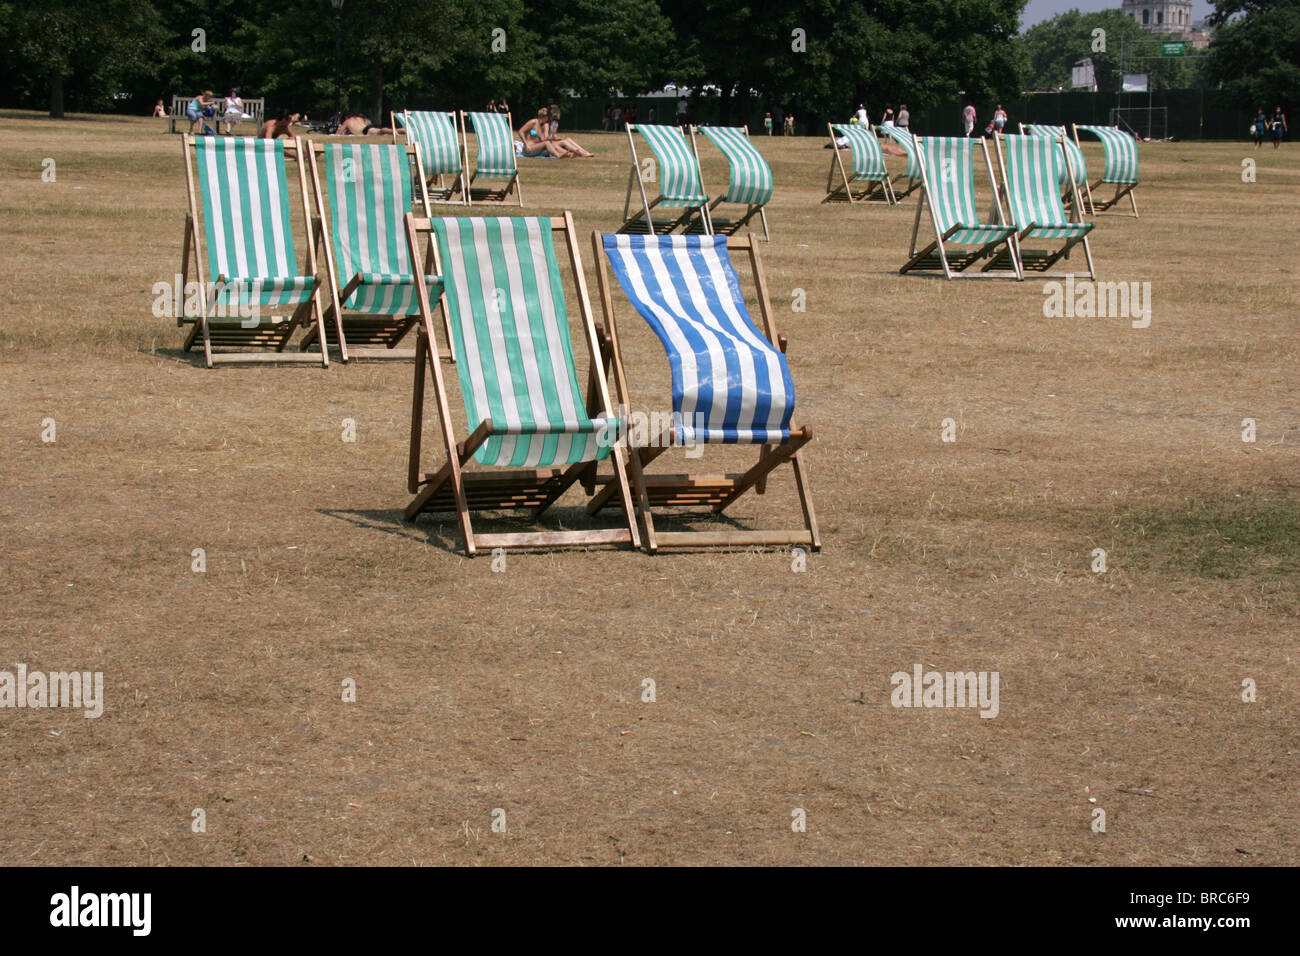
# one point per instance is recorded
(570, 147)
(274, 129)
(358, 125)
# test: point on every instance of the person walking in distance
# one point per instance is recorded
(968, 119)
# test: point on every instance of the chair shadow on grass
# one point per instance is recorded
(194, 358)
(443, 531)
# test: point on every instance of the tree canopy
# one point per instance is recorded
(813, 57)
(1256, 51)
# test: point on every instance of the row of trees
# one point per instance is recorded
(813, 57)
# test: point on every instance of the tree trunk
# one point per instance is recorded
(56, 95)
(377, 117)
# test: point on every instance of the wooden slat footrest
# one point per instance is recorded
(714, 539)
(552, 539)
(233, 358)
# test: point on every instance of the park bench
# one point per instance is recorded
(254, 108)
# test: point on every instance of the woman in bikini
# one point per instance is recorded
(534, 133)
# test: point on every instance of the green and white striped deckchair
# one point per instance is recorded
(1078, 167)
(496, 158)
(948, 193)
(1120, 167)
(442, 150)
(750, 184)
(372, 282)
(912, 174)
(1031, 171)
(868, 167)
(678, 176)
(514, 358)
(246, 249)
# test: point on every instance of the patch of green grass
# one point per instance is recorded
(1212, 537)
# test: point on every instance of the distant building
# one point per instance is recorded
(1170, 19)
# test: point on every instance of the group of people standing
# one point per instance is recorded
(902, 119)
(1264, 126)
(615, 119)
(996, 125)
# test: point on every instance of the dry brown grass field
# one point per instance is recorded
(522, 690)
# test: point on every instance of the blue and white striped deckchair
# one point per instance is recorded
(372, 283)
(750, 184)
(948, 195)
(678, 176)
(1031, 173)
(730, 382)
(496, 158)
(442, 151)
(868, 163)
(1120, 167)
(246, 249)
(912, 174)
(514, 358)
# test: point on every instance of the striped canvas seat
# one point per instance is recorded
(730, 384)
(496, 148)
(868, 160)
(249, 232)
(1033, 169)
(950, 178)
(866, 165)
(751, 177)
(370, 192)
(435, 134)
(679, 173)
(905, 139)
(511, 339)
(1078, 165)
(1121, 154)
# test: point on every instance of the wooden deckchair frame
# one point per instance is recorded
(1121, 189)
(441, 193)
(714, 491)
(662, 226)
(491, 194)
(452, 488)
(374, 336)
(954, 266)
(278, 335)
(730, 227)
(1036, 260)
(844, 191)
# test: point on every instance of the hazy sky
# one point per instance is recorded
(1038, 10)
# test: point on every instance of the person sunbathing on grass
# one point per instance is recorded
(358, 125)
(274, 129)
(570, 147)
(534, 134)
